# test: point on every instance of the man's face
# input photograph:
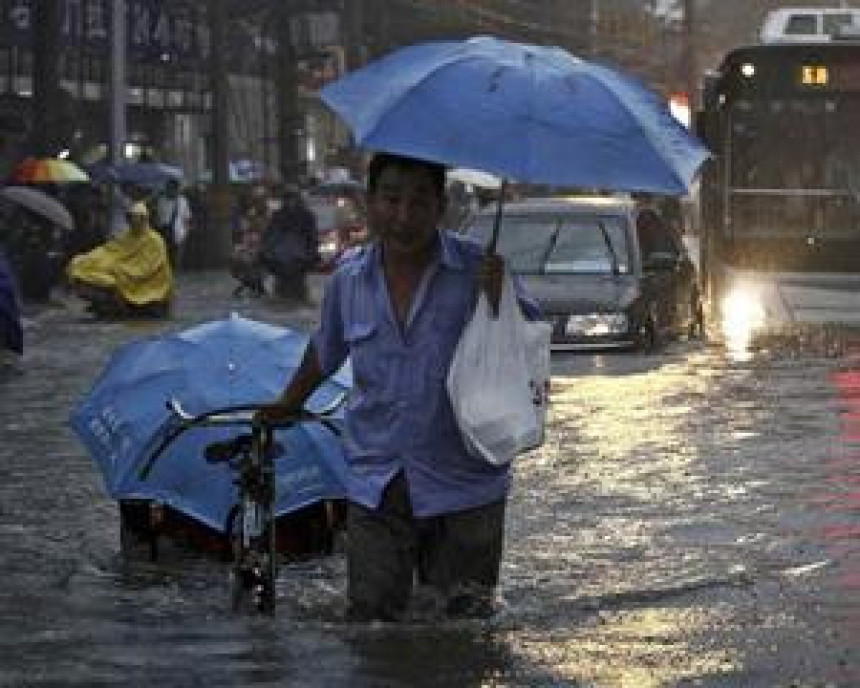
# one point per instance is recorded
(404, 209)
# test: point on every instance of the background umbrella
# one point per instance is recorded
(522, 112)
(47, 170)
(221, 363)
(150, 174)
(40, 203)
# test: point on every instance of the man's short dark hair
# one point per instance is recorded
(382, 160)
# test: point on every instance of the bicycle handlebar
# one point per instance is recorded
(244, 414)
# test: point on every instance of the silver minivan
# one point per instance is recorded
(599, 281)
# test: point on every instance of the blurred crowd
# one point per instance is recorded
(124, 242)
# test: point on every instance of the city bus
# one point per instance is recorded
(779, 202)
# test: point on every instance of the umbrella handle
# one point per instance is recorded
(494, 239)
(497, 221)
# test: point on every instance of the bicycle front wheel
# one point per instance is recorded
(254, 565)
(235, 528)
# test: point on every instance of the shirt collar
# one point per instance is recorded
(449, 256)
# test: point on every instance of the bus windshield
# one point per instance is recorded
(794, 166)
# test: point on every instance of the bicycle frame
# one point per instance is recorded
(252, 533)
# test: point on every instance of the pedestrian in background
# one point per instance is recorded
(126, 276)
(87, 204)
(173, 220)
(11, 331)
(418, 501)
(36, 249)
(245, 264)
(290, 246)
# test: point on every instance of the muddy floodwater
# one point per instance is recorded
(692, 520)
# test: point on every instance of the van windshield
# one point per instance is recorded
(560, 244)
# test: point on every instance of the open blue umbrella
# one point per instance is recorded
(222, 363)
(153, 175)
(11, 332)
(522, 112)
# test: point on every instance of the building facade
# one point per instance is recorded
(278, 53)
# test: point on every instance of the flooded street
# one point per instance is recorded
(693, 519)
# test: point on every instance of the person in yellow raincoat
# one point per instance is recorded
(127, 276)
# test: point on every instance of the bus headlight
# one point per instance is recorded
(742, 314)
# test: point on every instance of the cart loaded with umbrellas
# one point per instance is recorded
(183, 499)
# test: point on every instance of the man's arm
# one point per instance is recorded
(298, 389)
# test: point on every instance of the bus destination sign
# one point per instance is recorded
(833, 77)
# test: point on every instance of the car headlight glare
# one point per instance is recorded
(596, 325)
(328, 247)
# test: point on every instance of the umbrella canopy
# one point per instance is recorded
(221, 363)
(11, 332)
(150, 174)
(40, 203)
(47, 170)
(521, 112)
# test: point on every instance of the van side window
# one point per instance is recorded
(655, 237)
(801, 24)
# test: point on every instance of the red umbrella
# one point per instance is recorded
(50, 170)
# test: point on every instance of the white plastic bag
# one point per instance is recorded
(499, 378)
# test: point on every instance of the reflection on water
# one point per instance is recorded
(841, 491)
(691, 519)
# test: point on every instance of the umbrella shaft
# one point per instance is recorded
(497, 223)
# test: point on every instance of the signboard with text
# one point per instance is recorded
(155, 28)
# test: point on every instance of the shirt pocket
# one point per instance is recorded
(366, 353)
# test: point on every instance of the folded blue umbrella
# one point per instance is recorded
(522, 112)
(11, 332)
(228, 362)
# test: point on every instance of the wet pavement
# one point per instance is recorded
(693, 519)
